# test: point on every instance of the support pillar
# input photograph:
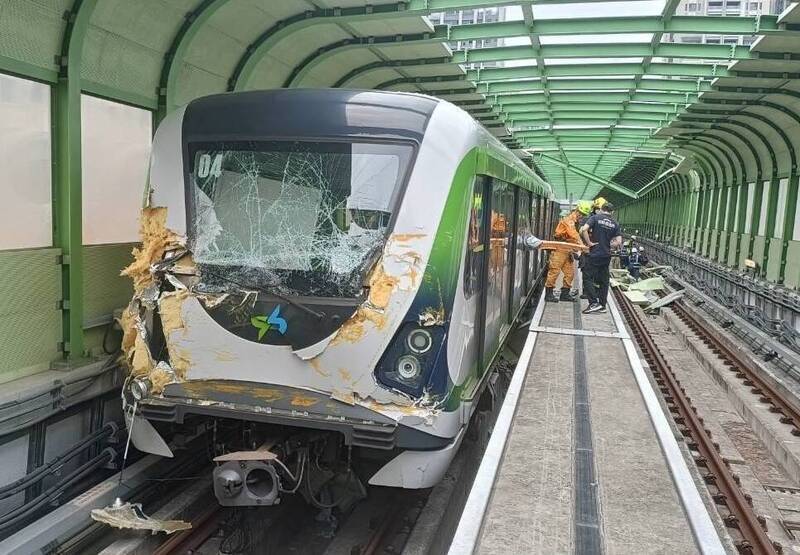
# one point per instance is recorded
(67, 197)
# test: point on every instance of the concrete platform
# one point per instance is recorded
(584, 468)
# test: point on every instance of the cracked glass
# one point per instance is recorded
(297, 218)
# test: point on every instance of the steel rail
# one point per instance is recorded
(187, 541)
(742, 517)
(743, 369)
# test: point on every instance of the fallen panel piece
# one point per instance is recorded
(261, 454)
(637, 297)
(130, 516)
(650, 284)
(664, 301)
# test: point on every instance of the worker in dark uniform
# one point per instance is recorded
(586, 208)
(602, 234)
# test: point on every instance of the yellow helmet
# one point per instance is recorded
(599, 202)
(584, 207)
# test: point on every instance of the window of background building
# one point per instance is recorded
(25, 156)
(115, 142)
(733, 8)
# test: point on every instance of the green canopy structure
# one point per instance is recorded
(696, 142)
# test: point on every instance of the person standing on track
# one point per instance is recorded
(602, 233)
(561, 261)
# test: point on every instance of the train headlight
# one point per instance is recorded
(420, 341)
(140, 388)
(408, 367)
(412, 359)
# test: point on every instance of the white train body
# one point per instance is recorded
(329, 260)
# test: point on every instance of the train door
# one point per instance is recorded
(521, 230)
(533, 224)
(475, 269)
(498, 280)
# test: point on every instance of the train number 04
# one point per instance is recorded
(206, 166)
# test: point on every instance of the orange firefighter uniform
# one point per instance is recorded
(560, 260)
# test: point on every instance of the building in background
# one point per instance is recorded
(724, 8)
(467, 17)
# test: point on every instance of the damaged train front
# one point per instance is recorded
(271, 280)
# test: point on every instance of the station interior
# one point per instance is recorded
(668, 423)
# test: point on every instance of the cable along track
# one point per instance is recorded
(722, 482)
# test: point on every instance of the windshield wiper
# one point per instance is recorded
(293, 302)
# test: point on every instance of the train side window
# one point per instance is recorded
(473, 265)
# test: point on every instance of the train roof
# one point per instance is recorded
(327, 113)
(308, 112)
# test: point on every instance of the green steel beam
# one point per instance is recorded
(565, 70)
(393, 64)
(68, 198)
(601, 119)
(674, 98)
(23, 69)
(492, 30)
(319, 56)
(522, 118)
(606, 50)
(256, 51)
(659, 85)
(766, 121)
(192, 23)
(594, 106)
(491, 74)
(260, 47)
(729, 25)
(585, 174)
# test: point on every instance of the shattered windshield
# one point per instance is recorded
(300, 218)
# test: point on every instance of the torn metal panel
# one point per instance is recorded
(145, 437)
(130, 516)
(156, 239)
(650, 284)
(666, 300)
(637, 297)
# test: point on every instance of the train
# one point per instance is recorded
(324, 280)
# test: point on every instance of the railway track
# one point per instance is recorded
(386, 531)
(743, 369)
(187, 541)
(747, 528)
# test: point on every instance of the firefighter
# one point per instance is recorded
(598, 203)
(561, 261)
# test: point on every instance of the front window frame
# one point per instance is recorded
(262, 144)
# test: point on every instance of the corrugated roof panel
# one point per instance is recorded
(373, 78)
(125, 44)
(434, 69)
(401, 51)
(391, 26)
(334, 66)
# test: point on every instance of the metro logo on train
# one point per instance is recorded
(264, 323)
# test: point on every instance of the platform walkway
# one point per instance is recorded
(583, 460)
